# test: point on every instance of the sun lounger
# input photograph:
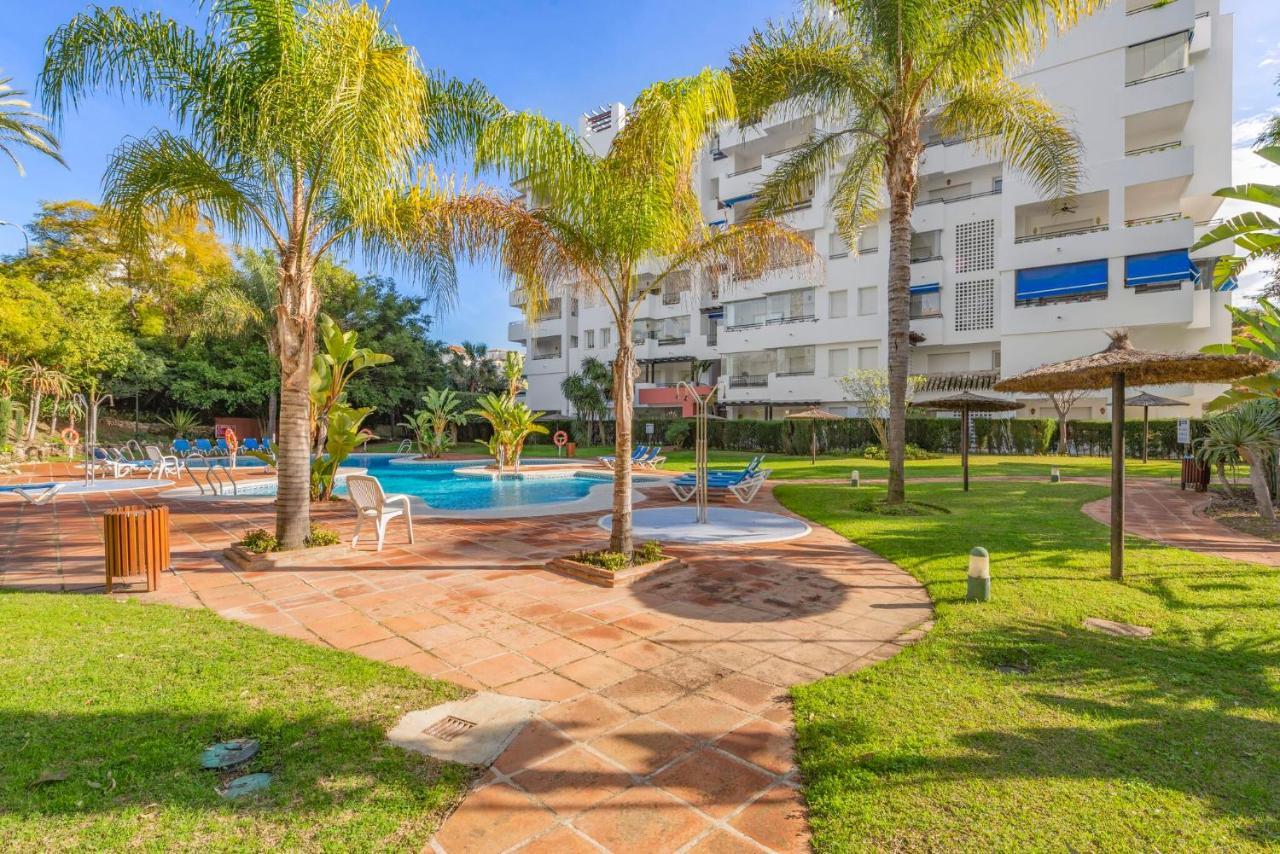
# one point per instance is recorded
(651, 459)
(636, 454)
(181, 447)
(106, 462)
(35, 493)
(203, 448)
(743, 487)
(250, 444)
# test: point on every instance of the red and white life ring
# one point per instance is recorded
(229, 436)
(561, 438)
(70, 436)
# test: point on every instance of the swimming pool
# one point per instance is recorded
(438, 485)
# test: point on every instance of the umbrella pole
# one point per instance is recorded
(964, 444)
(1117, 476)
(1145, 434)
(813, 450)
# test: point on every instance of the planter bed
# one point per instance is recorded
(249, 561)
(602, 577)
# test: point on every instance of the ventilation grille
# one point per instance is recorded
(976, 246)
(975, 305)
(448, 728)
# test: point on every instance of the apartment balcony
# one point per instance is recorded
(931, 328)
(748, 381)
(1157, 92)
(517, 331)
(1146, 20)
(741, 182)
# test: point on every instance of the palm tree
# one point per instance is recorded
(588, 392)
(471, 369)
(1250, 432)
(1256, 232)
(305, 124)
(596, 223)
(876, 73)
(22, 128)
(43, 380)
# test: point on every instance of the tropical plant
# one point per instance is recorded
(41, 381)
(588, 392)
(595, 223)
(434, 424)
(337, 362)
(22, 128)
(181, 422)
(302, 123)
(1257, 331)
(513, 422)
(343, 434)
(878, 73)
(471, 369)
(871, 391)
(513, 373)
(1256, 232)
(1249, 432)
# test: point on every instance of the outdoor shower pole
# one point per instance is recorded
(1117, 475)
(700, 447)
(964, 444)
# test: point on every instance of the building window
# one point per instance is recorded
(837, 362)
(836, 246)
(796, 361)
(867, 298)
(838, 304)
(926, 301)
(1157, 58)
(926, 245)
(869, 357)
(975, 305)
(869, 240)
(573, 342)
(948, 363)
(995, 359)
(975, 246)
(605, 334)
(591, 339)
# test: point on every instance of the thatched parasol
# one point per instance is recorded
(1116, 365)
(967, 402)
(815, 415)
(1147, 400)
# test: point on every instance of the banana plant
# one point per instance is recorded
(432, 425)
(1260, 335)
(343, 436)
(338, 360)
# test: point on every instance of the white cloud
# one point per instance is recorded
(1245, 131)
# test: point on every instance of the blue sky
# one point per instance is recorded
(555, 56)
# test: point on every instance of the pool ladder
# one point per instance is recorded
(217, 478)
(406, 445)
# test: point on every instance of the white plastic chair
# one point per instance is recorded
(372, 503)
(161, 463)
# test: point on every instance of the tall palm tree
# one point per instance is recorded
(594, 224)
(22, 128)
(588, 392)
(471, 369)
(42, 380)
(304, 124)
(875, 72)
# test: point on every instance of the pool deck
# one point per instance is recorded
(668, 726)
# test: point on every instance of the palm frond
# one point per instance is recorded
(744, 250)
(21, 127)
(855, 197)
(793, 180)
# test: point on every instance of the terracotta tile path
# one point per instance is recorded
(667, 726)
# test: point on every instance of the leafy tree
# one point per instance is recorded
(894, 67)
(471, 369)
(513, 422)
(303, 124)
(338, 361)
(588, 392)
(595, 223)
(43, 380)
(1062, 402)
(20, 128)
(871, 391)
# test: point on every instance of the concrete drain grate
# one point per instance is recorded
(471, 731)
(448, 728)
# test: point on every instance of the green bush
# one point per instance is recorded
(649, 552)
(321, 536)
(677, 433)
(611, 561)
(260, 541)
(910, 452)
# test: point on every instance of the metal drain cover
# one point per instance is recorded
(448, 728)
(471, 731)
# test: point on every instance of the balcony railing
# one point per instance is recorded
(801, 373)
(1066, 232)
(1151, 149)
(671, 297)
(537, 357)
(1151, 77)
(774, 321)
(749, 381)
(673, 341)
(1152, 220)
(946, 200)
(746, 171)
(924, 258)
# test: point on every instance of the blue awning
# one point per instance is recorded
(728, 203)
(1230, 284)
(925, 289)
(1156, 268)
(1062, 280)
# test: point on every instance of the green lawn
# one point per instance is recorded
(123, 697)
(1103, 744)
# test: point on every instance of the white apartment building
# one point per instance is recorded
(1002, 280)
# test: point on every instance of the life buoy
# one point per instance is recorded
(229, 436)
(560, 438)
(70, 436)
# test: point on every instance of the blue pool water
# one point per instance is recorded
(439, 486)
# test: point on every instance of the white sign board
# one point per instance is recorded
(648, 429)
(1184, 431)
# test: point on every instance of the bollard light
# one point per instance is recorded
(979, 576)
(1055, 476)
(854, 478)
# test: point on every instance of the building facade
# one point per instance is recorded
(1002, 279)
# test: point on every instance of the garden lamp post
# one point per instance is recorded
(1112, 368)
(967, 402)
(1147, 400)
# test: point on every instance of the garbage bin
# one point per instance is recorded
(1194, 474)
(137, 543)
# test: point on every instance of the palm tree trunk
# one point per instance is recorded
(273, 413)
(53, 425)
(901, 181)
(34, 414)
(624, 375)
(295, 331)
(1258, 480)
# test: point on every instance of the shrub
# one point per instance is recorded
(613, 561)
(321, 536)
(910, 452)
(260, 541)
(649, 552)
(677, 433)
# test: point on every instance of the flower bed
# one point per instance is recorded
(260, 550)
(611, 569)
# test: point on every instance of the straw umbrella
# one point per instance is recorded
(815, 415)
(1147, 400)
(967, 402)
(1113, 367)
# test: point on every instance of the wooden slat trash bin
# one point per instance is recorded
(1195, 474)
(137, 543)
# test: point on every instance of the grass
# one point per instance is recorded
(122, 698)
(1092, 743)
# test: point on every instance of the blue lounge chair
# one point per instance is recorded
(636, 454)
(181, 447)
(223, 448)
(266, 444)
(690, 478)
(204, 448)
(250, 444)
(650, 459)
(118, 466)
(36, 493)
(741, 485)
